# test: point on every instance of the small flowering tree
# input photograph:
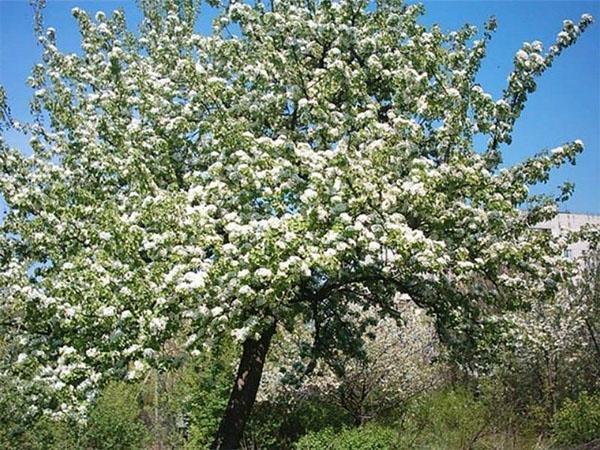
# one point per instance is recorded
(556, 347)
(304, 161)
(399, 362)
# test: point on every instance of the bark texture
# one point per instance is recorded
(243, 393)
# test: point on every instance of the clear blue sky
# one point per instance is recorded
(565, 107)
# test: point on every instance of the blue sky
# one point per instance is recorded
(565, 107)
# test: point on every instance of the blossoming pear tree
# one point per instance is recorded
(304, 161)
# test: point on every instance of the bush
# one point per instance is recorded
(367, 437)
(278, 424)
(578, 422)
(114, 422)
(445, 419)
(203, 391)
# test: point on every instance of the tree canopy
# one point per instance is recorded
(305, 162)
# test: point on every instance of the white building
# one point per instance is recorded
(571, 222)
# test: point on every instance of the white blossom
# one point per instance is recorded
(108, 311)
(158, 324)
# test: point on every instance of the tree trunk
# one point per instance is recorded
(243, 392)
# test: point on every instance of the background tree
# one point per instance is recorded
(554, 349)
(399, 363)
(303, 162)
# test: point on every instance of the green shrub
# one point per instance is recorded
(367, 437)
(578, 422)
(319, 440)
(114, 422)
(203, 391)
(445, 419)
(278, 424)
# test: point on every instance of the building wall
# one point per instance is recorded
(571, 222)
